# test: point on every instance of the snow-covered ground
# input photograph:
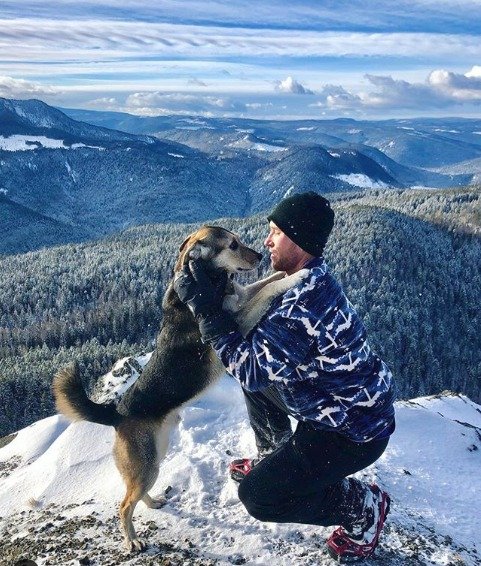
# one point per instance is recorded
(59, 490)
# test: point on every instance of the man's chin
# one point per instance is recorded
(275, 264)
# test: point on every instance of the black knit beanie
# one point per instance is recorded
(307, 219)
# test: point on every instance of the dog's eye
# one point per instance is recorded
(234, 245)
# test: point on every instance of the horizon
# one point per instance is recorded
(305, 60)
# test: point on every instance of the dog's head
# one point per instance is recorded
(220, 249)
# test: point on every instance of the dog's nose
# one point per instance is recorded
(259, 256)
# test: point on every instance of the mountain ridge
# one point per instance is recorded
(98, 180)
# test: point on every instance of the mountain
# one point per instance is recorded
(59, 490)
(407, 259)
(97, 181)
(92, 180)
(22, 226)
(415, 143)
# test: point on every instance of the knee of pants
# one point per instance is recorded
(256, 509)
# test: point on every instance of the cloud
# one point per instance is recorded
(154, 103)
(292, 86)
(27, 38)
(462, 88)
(104, 103)
(402, 94)
(442, 89)
(336, 96)
(19, 88)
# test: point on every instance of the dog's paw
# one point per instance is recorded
(135, 545)
(231, 303)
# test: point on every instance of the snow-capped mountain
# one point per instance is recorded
(90, 181)
(421, 143)
(59, 490)
(77, 181)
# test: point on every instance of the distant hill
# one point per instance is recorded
(95, 180)
(415, 143)
(98, 181)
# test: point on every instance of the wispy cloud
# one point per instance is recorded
(105, 40)
(246, 57)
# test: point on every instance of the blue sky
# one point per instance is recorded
(276, 59)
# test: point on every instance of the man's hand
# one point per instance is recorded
(197, 291)
(204, 298)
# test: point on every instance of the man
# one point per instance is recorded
(308, 358)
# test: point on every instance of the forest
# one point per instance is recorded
(409, 260)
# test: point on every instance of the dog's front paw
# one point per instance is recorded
(231, 303)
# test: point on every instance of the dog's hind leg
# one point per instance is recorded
(136, 458)
(127, 508)
(169, 422)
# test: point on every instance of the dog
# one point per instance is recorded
(180, 369)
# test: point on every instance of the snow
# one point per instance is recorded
(267, 147)
(24, 143)
(431, 470)
(246, 143)
(361, 180)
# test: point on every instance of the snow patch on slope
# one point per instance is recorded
(19, 142)
(361, 180)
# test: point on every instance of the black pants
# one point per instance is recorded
(303, 479)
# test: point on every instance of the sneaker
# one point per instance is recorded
(238, 469)
(361, 540)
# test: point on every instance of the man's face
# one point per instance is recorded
(285, 254)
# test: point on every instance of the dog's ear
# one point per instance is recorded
(184, 243)
(192, 248)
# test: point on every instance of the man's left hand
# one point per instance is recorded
(194, 288)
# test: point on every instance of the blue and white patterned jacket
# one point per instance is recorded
(312, 347)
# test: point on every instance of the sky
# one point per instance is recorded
(250, 58)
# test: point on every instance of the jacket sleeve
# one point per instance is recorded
(274, 350)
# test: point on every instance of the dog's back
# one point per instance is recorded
(181, 366)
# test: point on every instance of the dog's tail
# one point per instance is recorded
(72, 401)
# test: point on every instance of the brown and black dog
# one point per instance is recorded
(181, 368)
